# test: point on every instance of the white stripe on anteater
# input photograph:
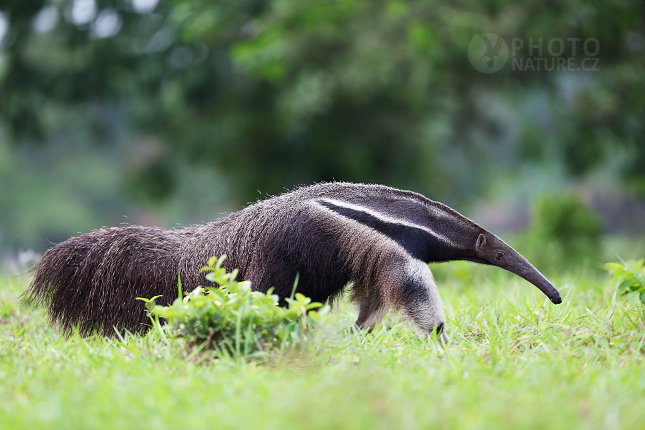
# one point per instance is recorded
(374, 219)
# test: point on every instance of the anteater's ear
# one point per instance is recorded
(481, 241)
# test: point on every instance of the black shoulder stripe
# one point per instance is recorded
(416, 240)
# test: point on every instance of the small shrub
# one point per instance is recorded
(629, 279)
(234, 320)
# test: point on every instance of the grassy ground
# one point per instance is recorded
(515, 361)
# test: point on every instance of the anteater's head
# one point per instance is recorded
(490, 249)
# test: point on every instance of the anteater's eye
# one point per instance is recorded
(499, 256)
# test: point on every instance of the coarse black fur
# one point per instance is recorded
(375, 238)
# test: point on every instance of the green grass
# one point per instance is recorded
(515, 361)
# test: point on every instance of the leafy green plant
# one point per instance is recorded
(629, 279)
(234, 320)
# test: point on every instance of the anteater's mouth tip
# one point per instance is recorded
(556, 299)
(550, 291)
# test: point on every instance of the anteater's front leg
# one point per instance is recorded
(406, 284)
(419, 299)
(371, 311)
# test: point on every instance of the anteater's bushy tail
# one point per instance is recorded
(92, 281)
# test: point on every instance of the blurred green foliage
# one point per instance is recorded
(277, 93)
(564, 233)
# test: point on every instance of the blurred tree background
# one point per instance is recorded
(173, 111)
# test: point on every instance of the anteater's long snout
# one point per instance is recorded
(532, 275)
(519, 265)
(550, 291)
